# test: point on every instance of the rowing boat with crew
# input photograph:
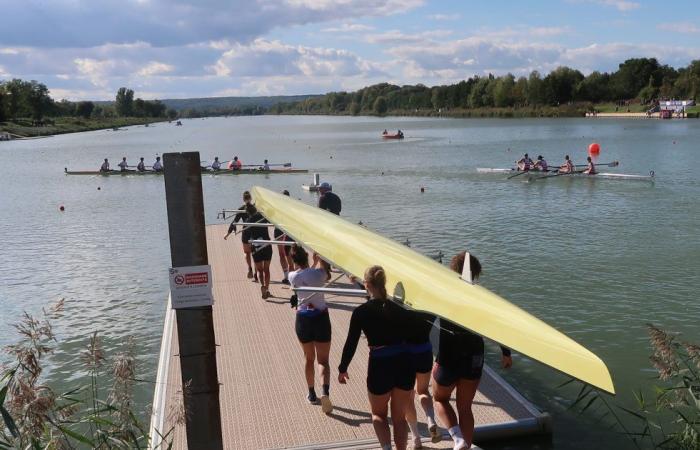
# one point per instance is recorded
(540, 170)
(208, 171)
(535, 174)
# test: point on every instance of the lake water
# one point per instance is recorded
(597, 259)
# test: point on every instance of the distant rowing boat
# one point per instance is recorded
(603, 175)
(204, 171)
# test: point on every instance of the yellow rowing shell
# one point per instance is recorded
(428, 286)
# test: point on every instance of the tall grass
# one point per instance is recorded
(35, 416)
(670, 417)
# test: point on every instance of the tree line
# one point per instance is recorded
(31, 99)
(642, 80)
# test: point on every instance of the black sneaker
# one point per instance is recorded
(285, 281)
(312, 399)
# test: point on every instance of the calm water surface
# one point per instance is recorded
(595, 258)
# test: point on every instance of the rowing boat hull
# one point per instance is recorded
(429, 286)
(204, 172)
(600, 175)
(392, 136)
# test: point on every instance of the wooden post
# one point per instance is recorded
(195, 326)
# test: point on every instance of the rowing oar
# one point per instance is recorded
(610, 164)
(517, 174)
(271, 165)
(560, 174)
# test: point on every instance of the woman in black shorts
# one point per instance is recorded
(313, 326)
(390, 371)
(245, 234)
(459, 364)
(421, 351)
(262, 253)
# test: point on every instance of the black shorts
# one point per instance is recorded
(389, 372)
(262, 253)
(313, 328)
(469, 368)
(423, 362)
(245, 235)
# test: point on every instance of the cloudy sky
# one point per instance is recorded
(87, 49)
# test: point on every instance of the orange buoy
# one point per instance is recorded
(593, 149)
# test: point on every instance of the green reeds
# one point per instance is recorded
(35, 416)
(670, 419)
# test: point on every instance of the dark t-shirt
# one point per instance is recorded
(458, 344)
(330, 202)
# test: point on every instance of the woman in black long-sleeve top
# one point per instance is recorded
(245, 234)
(390, 371)
(458, 365)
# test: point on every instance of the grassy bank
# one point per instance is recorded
(60, 125)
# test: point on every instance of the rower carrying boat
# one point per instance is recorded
(419, 283)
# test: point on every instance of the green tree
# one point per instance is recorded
(633, 75)
(536, 93)
(84, 109)
(561, 84)
(594, 88)
(124, 103)
(380, 105)
(503, 91)
(355, 108)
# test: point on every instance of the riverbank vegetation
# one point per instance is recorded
(27, 110)
(670, 417)
(638, 83)
(98, 415)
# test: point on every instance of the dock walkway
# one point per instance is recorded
(260, 368)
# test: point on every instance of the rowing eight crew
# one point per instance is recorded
(141, 167)
(525, 164)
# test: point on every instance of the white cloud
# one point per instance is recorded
(679, 27)
(164, 23)
(95, 70)
(398, 37)
(444, 16)
(155, 68)
(620, 5)
(263, 58)
(348, 28)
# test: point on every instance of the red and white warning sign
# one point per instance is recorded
(190, 286)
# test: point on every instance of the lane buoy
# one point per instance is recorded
(61, 208)
(594, 149)
(99, 188)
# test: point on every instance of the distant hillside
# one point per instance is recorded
(220, 103)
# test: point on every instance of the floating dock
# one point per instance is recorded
(260, 368)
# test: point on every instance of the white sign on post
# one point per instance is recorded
(190, 286)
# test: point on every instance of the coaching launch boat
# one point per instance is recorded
(422, 284)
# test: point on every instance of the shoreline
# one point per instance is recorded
(66, 125)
